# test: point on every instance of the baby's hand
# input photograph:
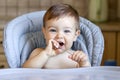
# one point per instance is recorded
(50, 47)
(81, 58)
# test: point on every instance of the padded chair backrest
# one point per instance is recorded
(23, 34)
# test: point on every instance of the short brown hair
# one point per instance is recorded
(60, 10)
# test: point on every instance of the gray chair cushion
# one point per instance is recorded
(23, 34)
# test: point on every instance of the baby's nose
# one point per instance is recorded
(60, 35)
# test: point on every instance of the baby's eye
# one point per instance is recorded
(67, 31)
(52, 30)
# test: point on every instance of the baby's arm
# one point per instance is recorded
(39, 57)
(81, 58)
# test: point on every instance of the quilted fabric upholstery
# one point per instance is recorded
(23, 34)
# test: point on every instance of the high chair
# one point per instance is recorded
(23, 34)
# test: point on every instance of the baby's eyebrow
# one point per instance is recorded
(51, 27)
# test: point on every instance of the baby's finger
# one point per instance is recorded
(84, 58)
(49, 46)
(55, 44)
(76, 56)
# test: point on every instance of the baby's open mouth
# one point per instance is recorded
(61, 43)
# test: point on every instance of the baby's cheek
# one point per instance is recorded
(70, 44)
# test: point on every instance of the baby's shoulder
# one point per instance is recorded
(36, 52)
(38, 49)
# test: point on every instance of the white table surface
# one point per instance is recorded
(91, 73)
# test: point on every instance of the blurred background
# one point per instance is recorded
(104, 13)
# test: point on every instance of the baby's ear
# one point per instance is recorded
(77, 33)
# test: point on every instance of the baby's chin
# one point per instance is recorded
(59, 51)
